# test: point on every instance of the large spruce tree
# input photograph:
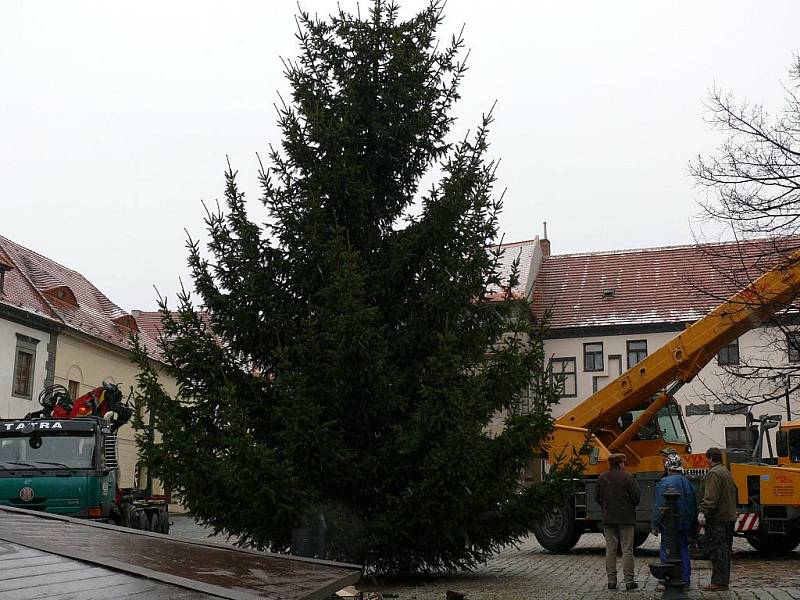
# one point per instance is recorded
(346, 358)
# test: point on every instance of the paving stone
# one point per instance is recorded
(527, 571)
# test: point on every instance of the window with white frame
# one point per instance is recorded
(593, 356)
(24, 367)
(637, 351)
(729, 355)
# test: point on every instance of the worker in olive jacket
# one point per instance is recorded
(617, 493)
(718, 515)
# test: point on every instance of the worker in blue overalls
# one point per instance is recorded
(687, 506)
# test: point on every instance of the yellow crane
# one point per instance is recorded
(637, 414)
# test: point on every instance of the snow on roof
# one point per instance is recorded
(672, 284)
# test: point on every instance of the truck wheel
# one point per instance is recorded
(559, 532)
(773, 545)
(154, 525)
(139, 520)
(163, 521)
(640, 537)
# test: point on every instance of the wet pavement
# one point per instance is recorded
(184, 526)
(209, 569)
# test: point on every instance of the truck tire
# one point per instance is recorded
(125, 515)
(773, 545)
(559, 532)
(154, 524)
(163, 521)
(140, 521)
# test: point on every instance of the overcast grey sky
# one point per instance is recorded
(115, 118)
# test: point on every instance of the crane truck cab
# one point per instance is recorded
(787, 442)
(63, 459)
(564, 526)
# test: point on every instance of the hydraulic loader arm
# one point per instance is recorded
(678, 361)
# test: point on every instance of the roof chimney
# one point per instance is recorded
(544, 242)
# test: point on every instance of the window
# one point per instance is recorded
(593, 356)
(24, 364)
(637, 351)
(729, 355)
(23, 373)
(668, 424)
(736, 437)
(75, 450)
(565, 371)
(671, 424)
(794, 445)
(74, 389)
(793, 342)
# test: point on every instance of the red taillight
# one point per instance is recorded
(95, 512)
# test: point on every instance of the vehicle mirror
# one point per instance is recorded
(35, 440)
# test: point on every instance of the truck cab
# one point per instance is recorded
(787, 442)
(60, 466)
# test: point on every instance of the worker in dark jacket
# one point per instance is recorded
(617, 493)
(718, 514)
(687, 509)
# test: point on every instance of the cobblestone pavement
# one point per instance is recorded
(530, 572)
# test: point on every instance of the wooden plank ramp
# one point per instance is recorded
(50, 556)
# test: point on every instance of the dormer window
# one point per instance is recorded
(128, 322)
(62, 294)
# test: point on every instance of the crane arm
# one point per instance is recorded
(680, 359)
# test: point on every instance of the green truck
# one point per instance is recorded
(63, 460)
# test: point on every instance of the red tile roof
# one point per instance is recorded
(20, 293)
(152, 323)
(651, 285)
(149, 322)
(33, 276)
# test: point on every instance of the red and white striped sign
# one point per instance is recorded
(746, 522)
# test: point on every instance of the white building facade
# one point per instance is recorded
(28, 334)
(609, 310)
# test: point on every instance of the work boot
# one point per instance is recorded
(631, 585)
(713, 587)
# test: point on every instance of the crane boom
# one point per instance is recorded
(687, 353)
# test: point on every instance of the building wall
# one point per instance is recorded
(10, 405)
(90, 363)
(711, 387)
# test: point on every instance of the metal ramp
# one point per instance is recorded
(60, 554)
